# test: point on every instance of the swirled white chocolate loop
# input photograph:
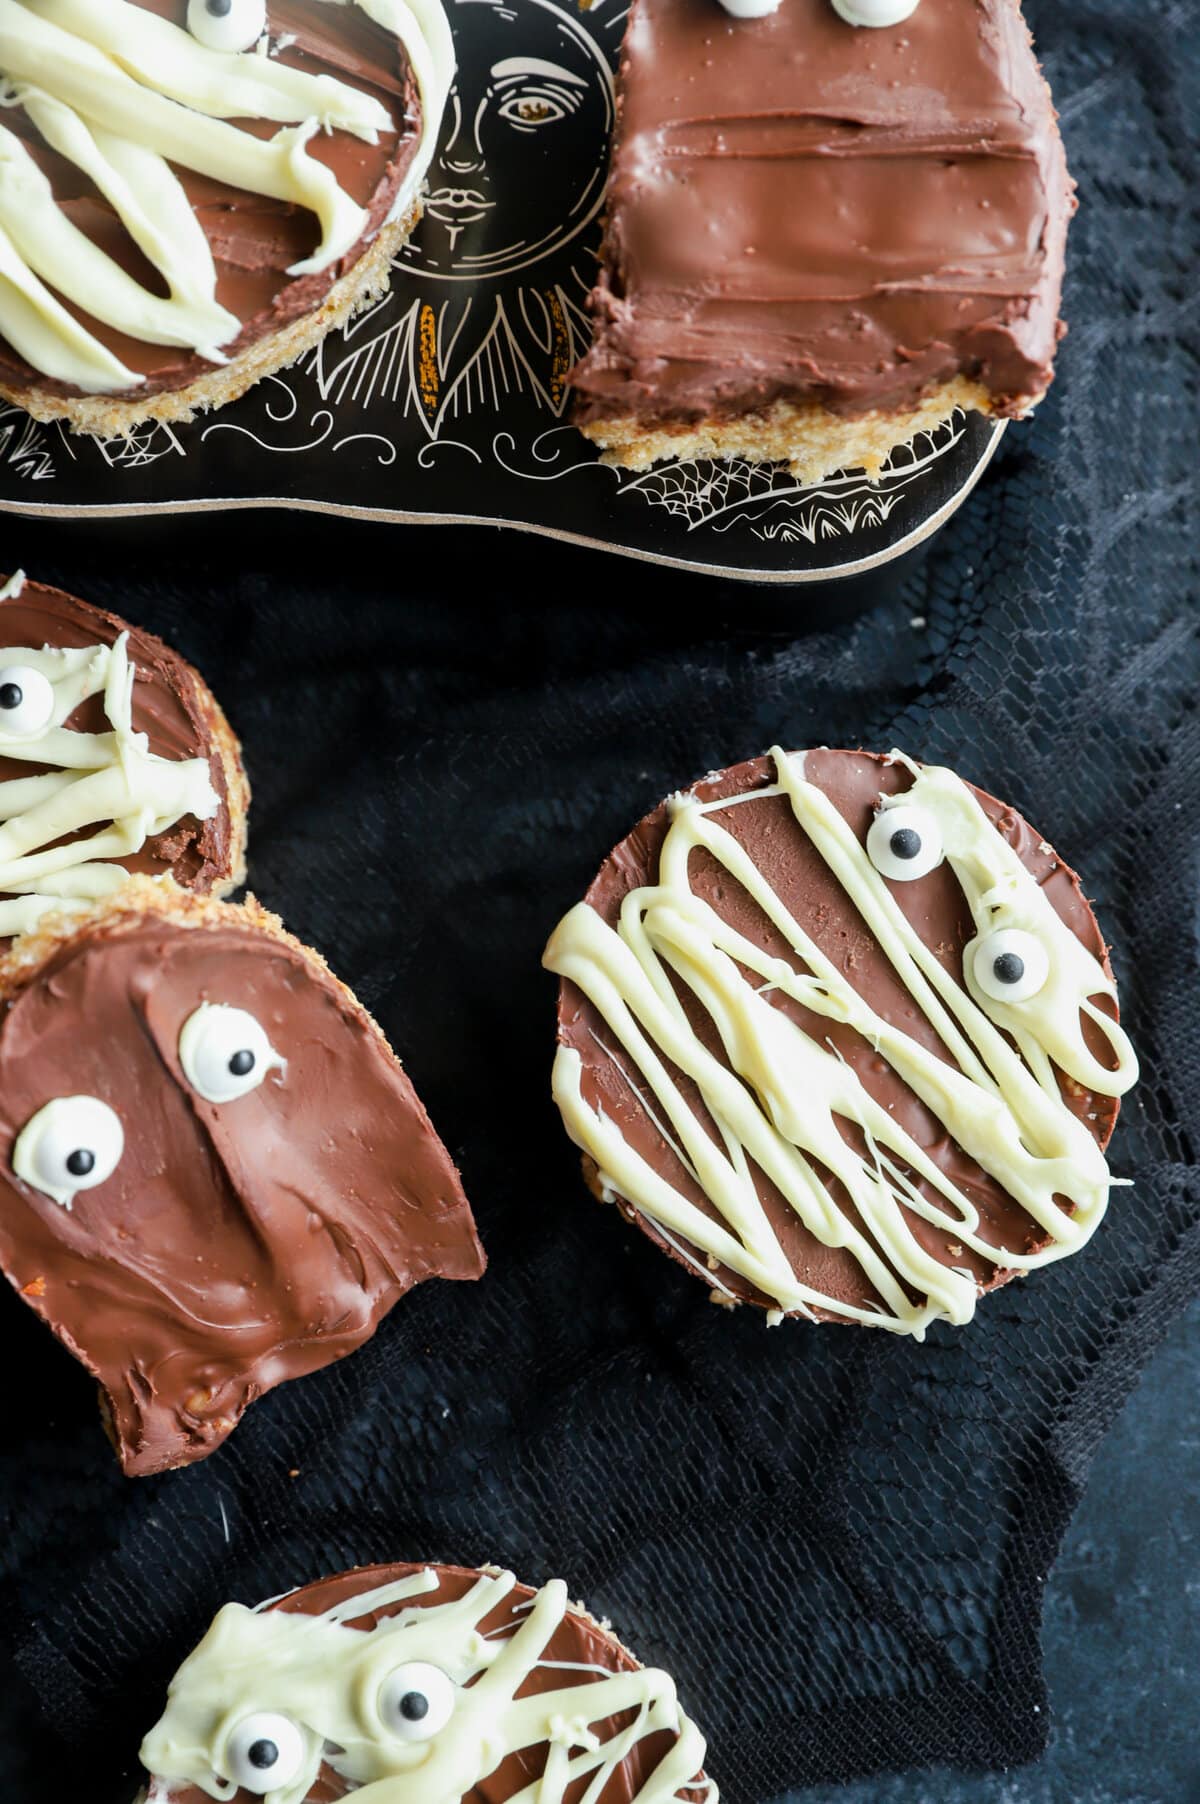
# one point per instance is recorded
(124, 94)
(777, 1096)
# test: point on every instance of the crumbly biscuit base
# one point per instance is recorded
(225, 743)
(813, 442)
(107, 417)
(141, 897)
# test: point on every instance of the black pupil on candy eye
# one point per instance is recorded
(81, 1162)
(218, 9)
(1009, 967)
(414, 1706)
(11, 695)
(905, 842)
(262, 1754)
(242, 1063)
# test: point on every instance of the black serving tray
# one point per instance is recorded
(447, 401)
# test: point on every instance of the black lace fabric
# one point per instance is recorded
(836, 1539)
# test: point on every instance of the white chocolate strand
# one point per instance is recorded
(328, 1680)
(219, 83)
(63, 256)
(778, 1095)
(125, 94)
(107, 780)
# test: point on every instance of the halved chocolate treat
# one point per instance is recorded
(215, 1174)
(115, 758)
(426, 1683)
(839, 1032)
(197, 191)
(821, 237)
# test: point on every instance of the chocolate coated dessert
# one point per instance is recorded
(823, 237)
(114, 758)
(215, 1174)
(425, 1683)
(198, 192)
(839, 1031)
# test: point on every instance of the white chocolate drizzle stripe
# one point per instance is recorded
(40, 330)
(327, 1678)
(95, 86)
(142, 189)
(778, 1095)
(123, 94)
(223, 85)
(111, 779)
(65, 258)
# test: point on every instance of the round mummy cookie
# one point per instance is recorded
(421, 1685)
(214, 1174)
(839, 1032)
(196, 191)
(114, 758)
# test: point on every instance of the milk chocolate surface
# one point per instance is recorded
(168, 706)
(254, 239)
(576, 1641)
(937, 909)
(236, 1244)
(803, 210)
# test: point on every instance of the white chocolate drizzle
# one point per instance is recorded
(328, 1679)
(124, 94)
(778, 1096)
(111, 780)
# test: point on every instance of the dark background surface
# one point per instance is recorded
(838, 1541)
(1122, 1624)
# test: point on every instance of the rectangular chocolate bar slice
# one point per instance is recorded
(822, 238)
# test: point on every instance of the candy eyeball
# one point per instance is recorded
(750, 9)
(264, 1752)
(72, 1144)
(875, 13)
(904, 843)
(1010, 965)
(416, 1701)
(26, 701)
(227, 24)
(225, 1052)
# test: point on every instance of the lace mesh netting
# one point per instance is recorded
(836, 1539)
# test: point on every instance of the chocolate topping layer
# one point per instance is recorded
(254, 239)
(937, 909)
(806, 211)
(171, 705)
(578, 1641)
(236, 1244)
